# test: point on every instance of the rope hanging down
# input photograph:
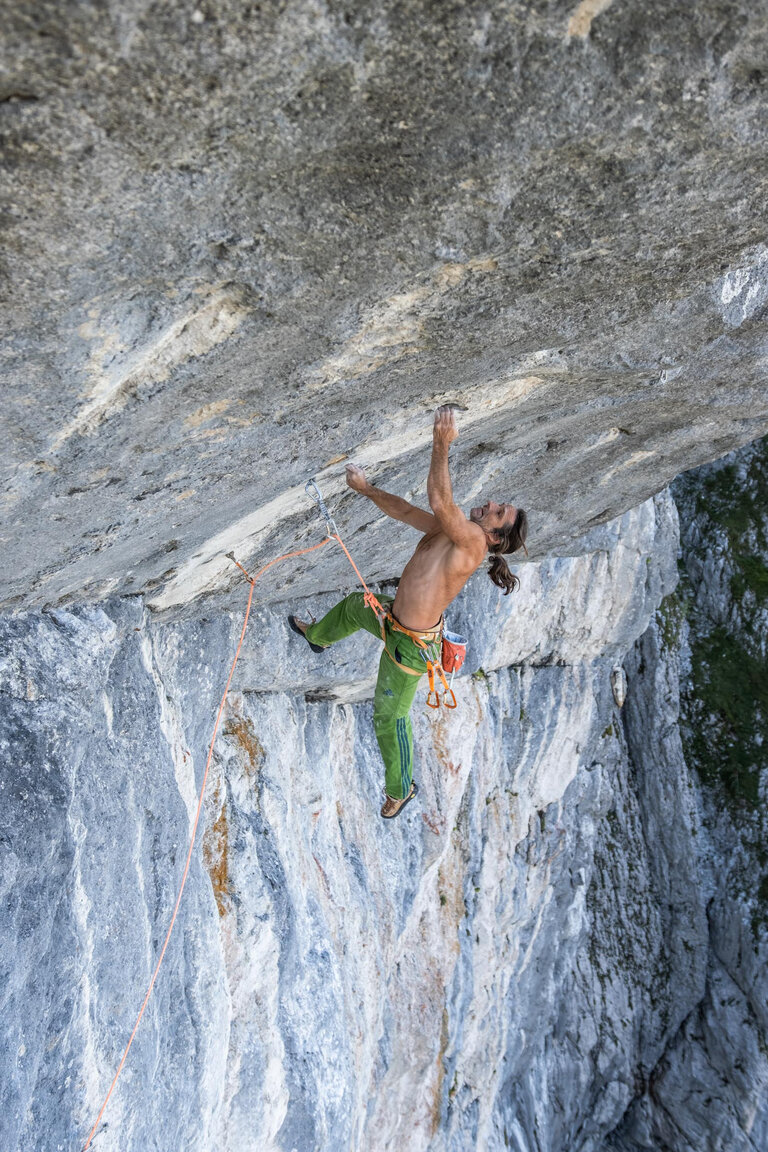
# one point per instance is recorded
(252, 580)
(312, 490)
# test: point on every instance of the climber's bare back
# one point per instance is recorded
(434, 576)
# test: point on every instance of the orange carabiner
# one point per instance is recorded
(432, 692)
(446, 686)
(445, 699)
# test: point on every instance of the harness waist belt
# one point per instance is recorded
(427, 637)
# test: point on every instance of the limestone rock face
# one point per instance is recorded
(494, 964)
(559, 945)
(246, 242)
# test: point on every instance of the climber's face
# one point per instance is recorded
(491, 516)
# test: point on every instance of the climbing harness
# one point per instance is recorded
(385, 618)
(426, 642)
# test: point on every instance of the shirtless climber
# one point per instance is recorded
(451, 549)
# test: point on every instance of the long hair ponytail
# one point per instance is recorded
(510, 539)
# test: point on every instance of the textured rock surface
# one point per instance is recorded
(561, 946)
(334, 980)
(709, 1089)
(243, 244)
(246, 241)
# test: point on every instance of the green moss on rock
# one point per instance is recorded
(734, 502)
(728, 739)
(750, 575)
(671, 615)
(725, 706)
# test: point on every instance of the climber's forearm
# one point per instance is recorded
(439, 489)
(390, 504)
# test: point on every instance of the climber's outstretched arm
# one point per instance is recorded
(393, 506)
(467, 536)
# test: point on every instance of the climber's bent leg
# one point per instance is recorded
(349, 615)
(395, 690)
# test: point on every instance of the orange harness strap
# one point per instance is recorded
(433, 666)
(421, 638)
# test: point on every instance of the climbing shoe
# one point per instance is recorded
(393, 807)
(292, 620)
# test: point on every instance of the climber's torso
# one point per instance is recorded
(433, 577)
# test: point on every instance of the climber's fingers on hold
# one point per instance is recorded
(445, 423)
(356, 477)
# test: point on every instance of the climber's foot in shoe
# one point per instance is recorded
(301, 626)
(393, 807)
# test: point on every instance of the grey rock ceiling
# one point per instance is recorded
(245, 242)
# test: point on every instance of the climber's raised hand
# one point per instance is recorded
(445, 430)
(356, 478)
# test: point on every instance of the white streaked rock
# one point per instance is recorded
(501, 967)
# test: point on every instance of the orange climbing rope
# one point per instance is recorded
(368, 596)
(252, 580)
(381, 613)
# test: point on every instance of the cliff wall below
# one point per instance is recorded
(502, 967)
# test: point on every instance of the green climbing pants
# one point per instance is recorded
(395, 689)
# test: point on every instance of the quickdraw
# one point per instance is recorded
(431, 669)
(314, 492)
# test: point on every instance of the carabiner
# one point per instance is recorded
(315, 494)
(432, 692)
(450, 689)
